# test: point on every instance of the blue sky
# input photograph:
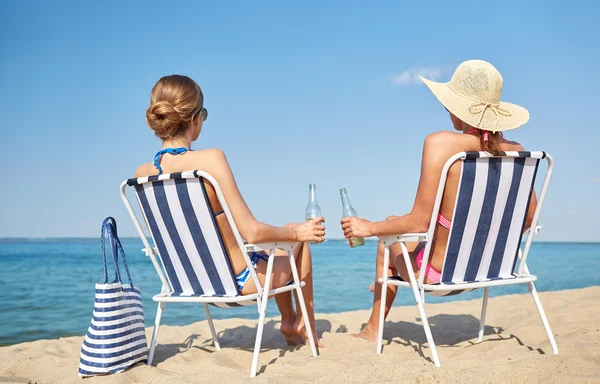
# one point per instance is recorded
(311, 92)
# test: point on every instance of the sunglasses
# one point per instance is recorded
(204, 112)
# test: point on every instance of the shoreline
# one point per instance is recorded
(515, 347)
(250, 318)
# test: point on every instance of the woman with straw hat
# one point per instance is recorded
(472, 97)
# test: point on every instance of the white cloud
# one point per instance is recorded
(593, 179)
(411, 76)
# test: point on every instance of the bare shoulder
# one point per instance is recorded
(441, 138)
(439, 146)
(210, 154)
(211, 160)
(145, 170)
(509, 145)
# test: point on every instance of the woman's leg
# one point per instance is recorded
(281, 275)
(369, 332)
(304, 266)
(292, 323)
(288, 319)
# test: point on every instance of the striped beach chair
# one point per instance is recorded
(487, 229)
(194, 265)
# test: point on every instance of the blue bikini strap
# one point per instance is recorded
(256, 256)
(172, 151)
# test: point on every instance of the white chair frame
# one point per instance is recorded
(419, 288)
(261, 296)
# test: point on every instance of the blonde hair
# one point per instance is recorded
(174, 102)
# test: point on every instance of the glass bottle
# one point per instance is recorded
(348, 211)
(312, 210)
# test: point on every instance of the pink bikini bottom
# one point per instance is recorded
(434, 275)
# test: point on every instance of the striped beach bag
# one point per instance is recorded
(116, 338)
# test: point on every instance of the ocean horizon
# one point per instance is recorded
(48, 283)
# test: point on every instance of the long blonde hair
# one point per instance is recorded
(174, 102)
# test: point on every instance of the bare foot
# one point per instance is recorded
(301, 329)
(372, 287)
(291, 335)
(367, 333)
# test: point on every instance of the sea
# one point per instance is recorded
(47, 285)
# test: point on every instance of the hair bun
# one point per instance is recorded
(174, 101)
(163, 118)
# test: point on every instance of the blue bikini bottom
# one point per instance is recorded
(243, 276)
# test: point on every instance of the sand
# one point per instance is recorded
(515, 348)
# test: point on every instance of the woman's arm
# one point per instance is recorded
(435, 154)
(531, 210)
(251, 229)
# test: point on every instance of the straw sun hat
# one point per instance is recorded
(473, 95)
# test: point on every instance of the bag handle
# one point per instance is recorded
(109, 230)
(105, 227)
(102, 242)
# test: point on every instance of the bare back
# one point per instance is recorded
(214, 163)
(444, 145)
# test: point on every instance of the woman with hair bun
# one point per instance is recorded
(176, 114)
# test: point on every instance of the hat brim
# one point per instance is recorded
(460, 107)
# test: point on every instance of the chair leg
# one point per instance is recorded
(263, 312)
(212, 327)
(483, 311)
(540, 309)
(159, 311)
(436, 360)
(413, 284)
(308, 325)
(386, 263)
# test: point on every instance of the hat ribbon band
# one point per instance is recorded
(481, 107)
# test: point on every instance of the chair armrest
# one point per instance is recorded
(406, 237)
(286, 246)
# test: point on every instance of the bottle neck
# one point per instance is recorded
(345, 201)
(312, 194)
(346, 205)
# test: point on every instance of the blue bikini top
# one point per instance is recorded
(172, 151)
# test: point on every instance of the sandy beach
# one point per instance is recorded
(515, 348)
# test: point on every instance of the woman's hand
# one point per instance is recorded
(356, 227)
(312, 230)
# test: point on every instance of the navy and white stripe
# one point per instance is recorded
(522, 154)
(178, 212)
(489, 215)
(166, 176)
(449, 293)
(116, 338)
